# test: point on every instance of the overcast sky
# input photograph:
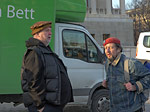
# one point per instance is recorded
(116, 2)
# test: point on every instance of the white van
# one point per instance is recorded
(83, 58)
(143, 46)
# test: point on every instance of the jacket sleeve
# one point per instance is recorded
(142, 75)
(35, 78)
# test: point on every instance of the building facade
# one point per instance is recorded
(104, 21)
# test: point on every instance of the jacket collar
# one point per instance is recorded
(115, 62)
(45, 49)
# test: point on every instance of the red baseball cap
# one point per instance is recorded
(111, 40)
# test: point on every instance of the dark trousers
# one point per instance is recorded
(140, 110)
(47, 108)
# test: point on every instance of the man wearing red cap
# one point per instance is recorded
(124, 96)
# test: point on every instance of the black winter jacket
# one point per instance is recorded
(44, 76)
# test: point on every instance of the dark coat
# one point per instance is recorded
(44, 76)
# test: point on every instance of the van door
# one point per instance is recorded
(82, 57)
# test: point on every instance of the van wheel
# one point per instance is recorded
(100, 101)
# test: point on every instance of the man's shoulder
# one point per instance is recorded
(33, 49)
(32, 52)
(130, 59)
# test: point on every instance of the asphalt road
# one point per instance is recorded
(8, 107)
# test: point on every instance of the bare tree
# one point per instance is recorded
(140, 13)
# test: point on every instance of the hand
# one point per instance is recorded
(41, 110)
(104, 83)
(130, 87)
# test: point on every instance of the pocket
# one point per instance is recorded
(121, 81)
(27, 99)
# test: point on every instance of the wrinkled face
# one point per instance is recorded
(111, 51)
(45, 35)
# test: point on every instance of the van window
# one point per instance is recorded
(146, 41)
(92, 51)
(77, 45)
(74, 45)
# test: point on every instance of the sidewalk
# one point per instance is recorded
(8, 107)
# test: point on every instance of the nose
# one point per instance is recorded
(50, 32)
(107, 50)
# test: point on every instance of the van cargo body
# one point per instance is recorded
(16, 18)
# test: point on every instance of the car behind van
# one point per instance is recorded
(143, 46)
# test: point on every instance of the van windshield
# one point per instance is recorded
(146, 41)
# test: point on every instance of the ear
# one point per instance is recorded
(118, 50)
(36, 35)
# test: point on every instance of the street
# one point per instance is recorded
(8, 107)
